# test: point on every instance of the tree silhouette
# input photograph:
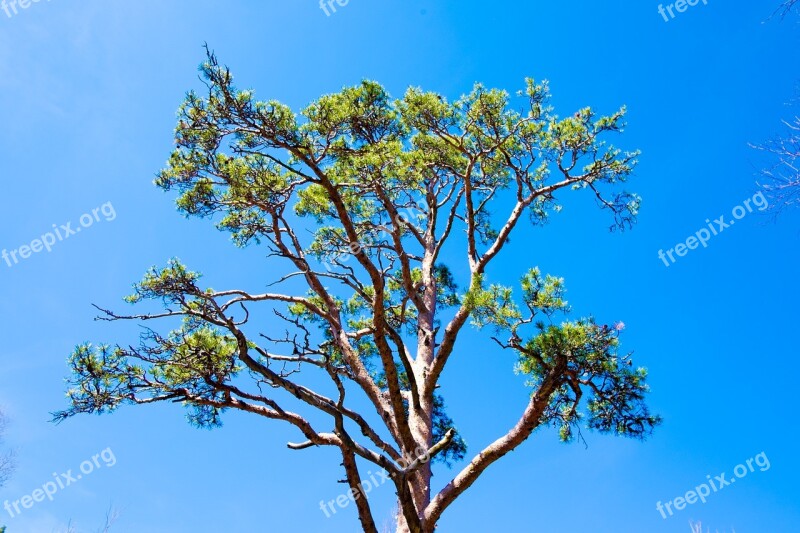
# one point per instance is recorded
(781, 180)
(6, 458)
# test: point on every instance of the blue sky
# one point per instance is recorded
(88, 94)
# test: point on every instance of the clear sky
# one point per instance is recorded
(88, 94)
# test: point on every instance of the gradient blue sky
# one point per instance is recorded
(88, 94)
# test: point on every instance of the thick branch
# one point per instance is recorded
(529, 421)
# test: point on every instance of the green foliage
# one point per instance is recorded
(373, 148)
(457, 448)
(171, 284)
(496, 306)
(357, 194)
(588, 355)
(191, 359)
(544, 294)
(581, 353)
(493, 306)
